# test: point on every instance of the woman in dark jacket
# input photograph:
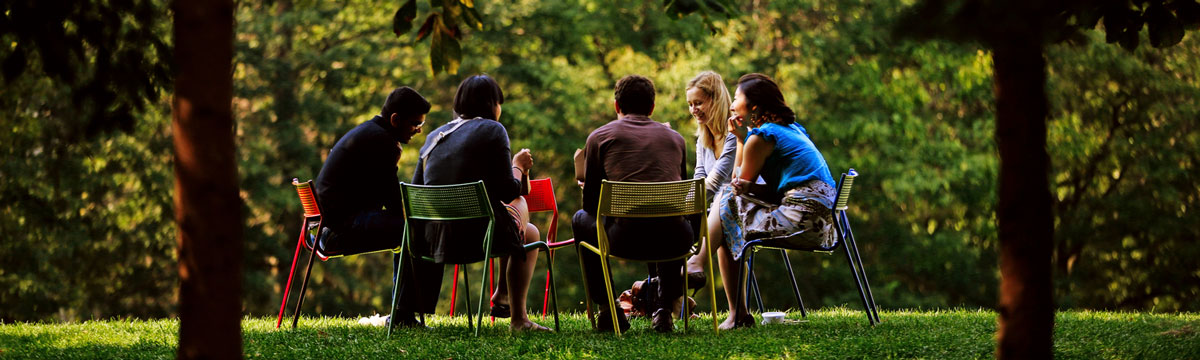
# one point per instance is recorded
(475, 147)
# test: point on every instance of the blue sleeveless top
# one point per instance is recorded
(794, 159)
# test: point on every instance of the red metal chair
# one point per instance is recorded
(310, 232)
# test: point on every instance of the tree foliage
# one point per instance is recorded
(915, 119)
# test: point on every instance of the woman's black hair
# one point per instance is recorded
(764, 93)
(478, 96)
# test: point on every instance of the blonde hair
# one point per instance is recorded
(712, 134)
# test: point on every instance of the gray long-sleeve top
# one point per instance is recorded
(715, 170)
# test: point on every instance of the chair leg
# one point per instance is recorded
(712, 286)
(795, 288)
(482, 297)
(684, 311)
(612, 306)
(397, 261)
(467, 294)
(587, 296)
(291, 274)
(312, 256)
(857, 281)
(754, 285)
(491, 263)
(546, 294)
(454, 290)
(553, 289)
(873, 309)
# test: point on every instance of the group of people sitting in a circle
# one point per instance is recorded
(763, 175)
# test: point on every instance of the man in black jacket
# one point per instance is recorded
(358, 187)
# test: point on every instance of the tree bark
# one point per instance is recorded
(207, 207)
(1026, 311)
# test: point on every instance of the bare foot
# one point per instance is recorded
(523, 326)
(732, 323)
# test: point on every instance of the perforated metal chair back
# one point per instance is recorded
(446, 202)
(541, 196)
(651, 199)
(843, 192)
(307, 200)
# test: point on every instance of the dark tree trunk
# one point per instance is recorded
(207, 207)
(1026, 321)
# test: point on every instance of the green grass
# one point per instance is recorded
(832, 334)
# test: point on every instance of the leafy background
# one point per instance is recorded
(88, 225)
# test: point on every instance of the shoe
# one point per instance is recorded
(604, 321)
(696, 281)
(406, 320)
(663, 321)
(502, 311)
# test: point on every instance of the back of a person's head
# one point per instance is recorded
(762, 92)
(635, 95)
(406, 102)
(478, 96)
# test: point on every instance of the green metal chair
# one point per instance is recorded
(451, 203)
(648, 200)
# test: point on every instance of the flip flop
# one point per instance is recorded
(501, 311)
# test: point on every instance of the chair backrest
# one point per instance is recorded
(308, 199)
(651, 199)
(446, 202)
(541, 198)
(843, 191)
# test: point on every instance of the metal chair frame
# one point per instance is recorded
(634, 206)
(310, 228)
(845, 241)
(419, 205)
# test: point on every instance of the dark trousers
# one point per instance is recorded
(637, 239)
(380, 230)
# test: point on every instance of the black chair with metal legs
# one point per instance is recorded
(845, 237)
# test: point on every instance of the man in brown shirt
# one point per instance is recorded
(637, 149)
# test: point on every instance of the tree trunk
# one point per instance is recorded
(207, 207)
(1026, 321)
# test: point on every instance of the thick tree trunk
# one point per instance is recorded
(207, 207)
(1026, 323)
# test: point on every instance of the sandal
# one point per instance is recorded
(501, 311)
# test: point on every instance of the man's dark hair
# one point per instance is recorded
(406, 102)
(763, 92)
(478, 96)
(635, 95)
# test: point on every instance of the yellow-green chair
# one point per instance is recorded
(450, 203)
(649, 200)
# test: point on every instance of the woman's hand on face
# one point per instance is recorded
(737, 126)
(523, 160)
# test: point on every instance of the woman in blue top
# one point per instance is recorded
(794, 207)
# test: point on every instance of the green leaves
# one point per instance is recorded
(1165, 28)
(441, 27)
(402, 21)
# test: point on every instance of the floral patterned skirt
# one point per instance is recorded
(803, 221)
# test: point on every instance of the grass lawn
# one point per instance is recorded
(831, 333)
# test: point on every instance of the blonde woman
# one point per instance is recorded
(709, 102)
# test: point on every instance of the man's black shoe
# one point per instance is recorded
(604, 321)
(662, 321)
(406, 320)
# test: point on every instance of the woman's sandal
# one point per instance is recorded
(696, 281)
(502, 311)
